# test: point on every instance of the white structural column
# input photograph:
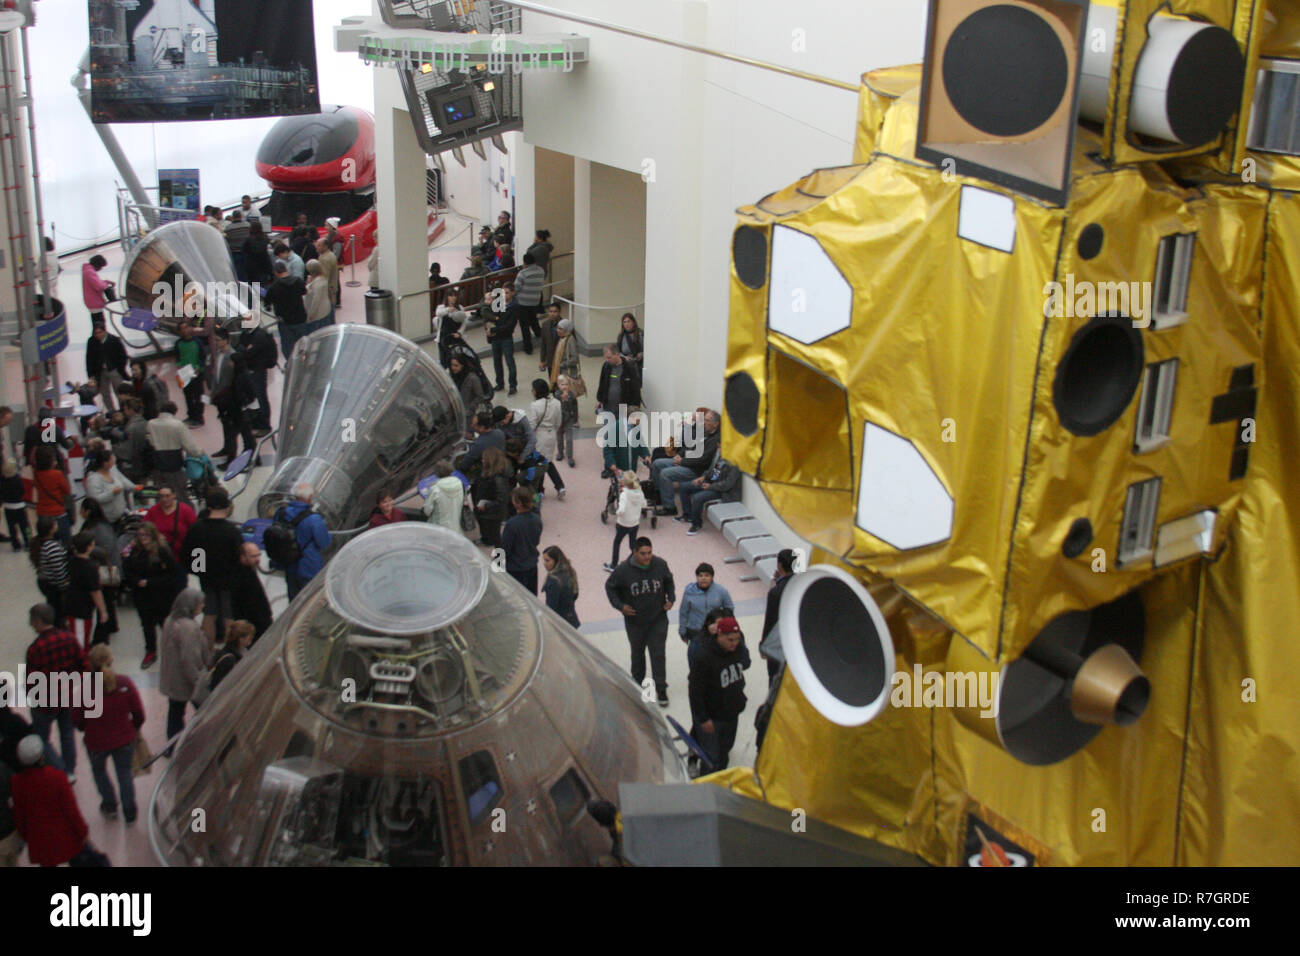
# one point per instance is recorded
(527, 187)
(544, 199)
(401, 202)
(609, 247)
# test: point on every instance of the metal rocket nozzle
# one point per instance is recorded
(1106, 687)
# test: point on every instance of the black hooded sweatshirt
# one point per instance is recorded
(717, 682)
(645, 589)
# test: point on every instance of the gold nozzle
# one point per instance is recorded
(1109, 688)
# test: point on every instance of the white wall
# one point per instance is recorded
(77, 177)
(720, 135)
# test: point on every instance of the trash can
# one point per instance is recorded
(381, 309)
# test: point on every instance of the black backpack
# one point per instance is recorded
(280, 540)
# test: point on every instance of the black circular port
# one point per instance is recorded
(1005, 70)
(1035, 722)
(749, 253)
(1090, 241)
(741, 403)
(1096, 378)
(1078, 538)
(1205, 86)
(841, 643)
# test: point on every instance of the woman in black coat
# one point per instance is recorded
(561, 587)
(492, 495)
(150, 571)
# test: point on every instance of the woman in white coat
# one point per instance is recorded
(545, 415)
(113, 490)
(446, 498)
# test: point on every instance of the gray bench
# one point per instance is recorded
(737, 531)
(753, 550)
(722, 512)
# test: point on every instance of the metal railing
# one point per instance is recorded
(474, 294)
(135, 220)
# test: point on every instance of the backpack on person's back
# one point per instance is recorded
(280, 540)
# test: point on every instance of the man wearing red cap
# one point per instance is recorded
(717, 690)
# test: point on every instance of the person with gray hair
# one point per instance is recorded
(689, 464)
(319, 307)
(310, 533)
(185, 655)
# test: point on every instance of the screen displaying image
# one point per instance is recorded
(458, 110)
(178, 194)
(169, 60)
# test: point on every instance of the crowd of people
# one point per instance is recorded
(495, 490)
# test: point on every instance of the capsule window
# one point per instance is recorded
(481, 785)
(1173, 274)
(569, 794)
(1155, 408)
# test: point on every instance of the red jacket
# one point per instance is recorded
(173, 527)
(46, 815)
(377, 519)
(119, 722)
(52, 490)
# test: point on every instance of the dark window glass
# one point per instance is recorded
(481, 785)
(569, 794)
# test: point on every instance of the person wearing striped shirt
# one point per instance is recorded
(50, 558)
(528, 299)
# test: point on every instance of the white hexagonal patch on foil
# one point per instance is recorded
(900, 499)
(808, 298)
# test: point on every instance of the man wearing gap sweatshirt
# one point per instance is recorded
(717, 691)
(642, 588)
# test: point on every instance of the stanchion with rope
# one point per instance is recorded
(353, 283)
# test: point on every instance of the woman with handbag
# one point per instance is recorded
(150, 570)
(109, 559)
(84, 603)
(568, 360)
(49, 556)
(111, 735)
(185, 655)
(113, 490)
(53, 493)
(546, 415)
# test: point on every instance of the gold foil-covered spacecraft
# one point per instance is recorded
(1054, 434)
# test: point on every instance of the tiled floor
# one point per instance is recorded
(573, 524)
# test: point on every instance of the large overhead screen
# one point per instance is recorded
(168, 60)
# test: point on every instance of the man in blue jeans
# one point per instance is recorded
(501, 333)
(667, 472)
(54, 652)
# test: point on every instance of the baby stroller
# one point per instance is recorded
(201, 474)
(611, 501)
